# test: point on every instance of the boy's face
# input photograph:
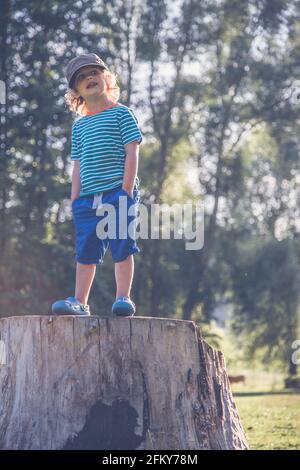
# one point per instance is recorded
(90, 81)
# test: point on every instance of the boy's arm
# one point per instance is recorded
(131, 166)
(75, 180)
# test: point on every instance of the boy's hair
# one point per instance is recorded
(78, 105)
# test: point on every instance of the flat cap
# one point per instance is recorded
(82, 61)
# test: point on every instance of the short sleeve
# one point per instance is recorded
(75, 154)
(129, 127)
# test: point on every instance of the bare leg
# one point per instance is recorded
(124, 275)
(85, 274)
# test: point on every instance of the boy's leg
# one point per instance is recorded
(85, 274)
(122, 249)
(124, 274)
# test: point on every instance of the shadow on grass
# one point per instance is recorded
(291, 391)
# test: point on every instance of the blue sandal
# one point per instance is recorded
(70, 306)
(123, 307)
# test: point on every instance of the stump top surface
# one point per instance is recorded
(96, 317)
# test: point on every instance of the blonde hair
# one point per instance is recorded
(78, 105)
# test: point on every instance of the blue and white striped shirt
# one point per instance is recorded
(98, 141)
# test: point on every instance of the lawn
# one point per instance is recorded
(271, 421)
(270, 415)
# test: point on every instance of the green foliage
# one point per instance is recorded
(266, 276)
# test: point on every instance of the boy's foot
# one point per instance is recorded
(70, 306)
(123, 307)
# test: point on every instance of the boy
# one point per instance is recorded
(105, 146)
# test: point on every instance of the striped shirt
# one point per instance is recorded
(98, 141)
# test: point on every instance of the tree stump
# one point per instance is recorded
(113, 383)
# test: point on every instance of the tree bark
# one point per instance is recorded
(113, 383)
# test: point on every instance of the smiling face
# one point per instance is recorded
(89, 81)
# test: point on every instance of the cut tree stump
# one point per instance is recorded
(113, 383)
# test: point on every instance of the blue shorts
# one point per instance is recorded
(90, 248)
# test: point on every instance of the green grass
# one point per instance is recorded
(270, 421)
(269, 414)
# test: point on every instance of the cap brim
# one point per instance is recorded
(71, 81)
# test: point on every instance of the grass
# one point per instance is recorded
(271, 421)
(270, 415)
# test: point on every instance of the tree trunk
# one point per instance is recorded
(113, 383)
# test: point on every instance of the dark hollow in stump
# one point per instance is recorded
(113, 383)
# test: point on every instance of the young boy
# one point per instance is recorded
(105, 146)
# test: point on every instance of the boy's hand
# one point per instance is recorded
(73, 197)
(128, 190)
